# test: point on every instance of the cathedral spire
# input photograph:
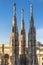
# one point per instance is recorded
(14, 39)
(22, 21)
(32, 40)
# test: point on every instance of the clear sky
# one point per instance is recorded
(6, 15)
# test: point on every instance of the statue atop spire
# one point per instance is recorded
(14, 9)
(14, 17)
(31, 16)
(22, 13)
(22, 22)
(31, 10)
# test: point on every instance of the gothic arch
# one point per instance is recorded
(6, 57)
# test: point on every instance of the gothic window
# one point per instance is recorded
(6, 59)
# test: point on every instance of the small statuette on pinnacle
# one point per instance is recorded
(31, 10)
(22, 13)
(14, 9)
(22, 18)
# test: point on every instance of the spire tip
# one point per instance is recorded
(14, 4)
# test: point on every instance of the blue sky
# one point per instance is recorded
(6, 15)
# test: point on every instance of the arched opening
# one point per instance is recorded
(6, 56)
